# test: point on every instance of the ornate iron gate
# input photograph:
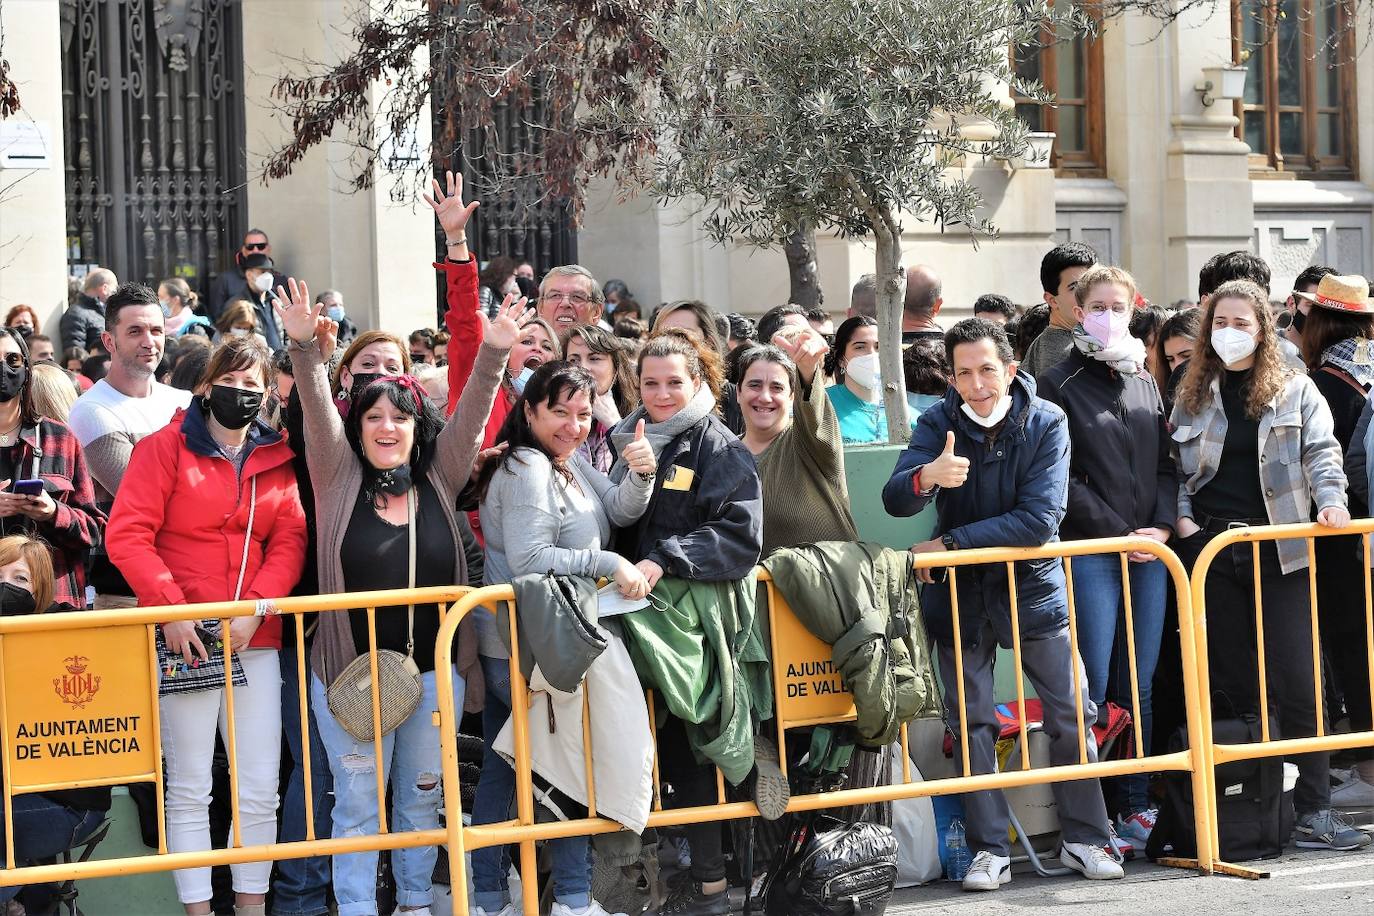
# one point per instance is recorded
(155, 153)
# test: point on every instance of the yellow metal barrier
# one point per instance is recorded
(795, 710)
(1268, 747)
(102, 669)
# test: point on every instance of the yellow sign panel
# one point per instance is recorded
(78, 705)
(811, 687)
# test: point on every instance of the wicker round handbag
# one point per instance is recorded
(399, 687)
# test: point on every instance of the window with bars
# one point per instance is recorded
(1297, 114)
(1070, 67)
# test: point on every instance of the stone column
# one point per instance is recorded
(376, 252)
(33, 234)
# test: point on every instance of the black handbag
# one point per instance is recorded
(840, 869)
(562, 611)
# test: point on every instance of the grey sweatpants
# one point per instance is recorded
(1082, 813)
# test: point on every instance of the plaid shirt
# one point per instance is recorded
(78, 524)
(1300, 459)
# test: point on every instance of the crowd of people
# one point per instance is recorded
(252, 443)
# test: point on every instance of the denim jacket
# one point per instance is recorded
(1300, 459)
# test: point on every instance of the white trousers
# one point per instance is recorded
(189, 722)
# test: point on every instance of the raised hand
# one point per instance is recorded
(806, 348)
(298, 317)
(503, 331)
(639, 455)
(452, 213)
(948, 470)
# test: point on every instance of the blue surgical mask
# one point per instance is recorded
(166, 309)
(335, 313)
(521, 380)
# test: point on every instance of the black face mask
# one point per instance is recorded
(393, 481)
(12, 379)
(360, 381)
(16, 600)
(24, 331)
(233, 408)
(1299, 319)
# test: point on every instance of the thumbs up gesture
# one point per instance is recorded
(948, 470)
(639, 455)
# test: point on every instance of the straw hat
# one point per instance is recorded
(1341, 294)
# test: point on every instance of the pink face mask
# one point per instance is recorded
(1107, 328)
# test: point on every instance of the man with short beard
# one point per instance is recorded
(121, 409)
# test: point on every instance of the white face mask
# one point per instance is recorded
(239, 332)
(263, 283)
(1232, 344)
(865, 372)
(999, 413)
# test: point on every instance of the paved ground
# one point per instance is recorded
(1307, 882)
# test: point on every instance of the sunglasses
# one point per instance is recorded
(255, 246)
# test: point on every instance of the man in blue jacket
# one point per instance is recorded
(995, 458)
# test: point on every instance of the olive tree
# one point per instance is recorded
(851, 115)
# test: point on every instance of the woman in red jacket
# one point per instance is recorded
(209, 511)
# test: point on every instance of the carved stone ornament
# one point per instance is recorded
(178, 24)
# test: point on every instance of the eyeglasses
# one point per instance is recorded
(255, 246)
(573, 298)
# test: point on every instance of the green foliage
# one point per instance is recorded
(839, 113)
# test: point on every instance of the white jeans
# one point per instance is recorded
(189, 721)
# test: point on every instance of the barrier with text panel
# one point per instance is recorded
(801, 659)
(79, 708)
(1320, 740)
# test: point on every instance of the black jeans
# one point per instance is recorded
(693, 784)
(1340, 601)
(1232, 651)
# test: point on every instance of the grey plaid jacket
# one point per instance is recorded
(1300, 459)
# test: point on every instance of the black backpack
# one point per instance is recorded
(1254, 816)
(828, 867)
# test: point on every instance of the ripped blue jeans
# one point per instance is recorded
(413, 766)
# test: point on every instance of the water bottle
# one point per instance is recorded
(957, 856)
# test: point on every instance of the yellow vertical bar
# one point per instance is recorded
(720, 787)
(1316, 635)
(378, 769)
(1016, 663)
(1191, 600)
(959, 667)
(524, 779)
(653, 735)
(5, 756)
(1259, 649)
(304, 709)
(232, 732)
(1076, 665)
(157, 737)
(1130, 655)
(453, 796)
(587, 749)
(1369, 617)
(906, 757)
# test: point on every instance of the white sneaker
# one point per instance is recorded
(507, 910)
(1090, 861)
(1353, 793)
(562, 909)
(987, 872)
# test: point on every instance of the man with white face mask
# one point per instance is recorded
(995, 459)
(257, 270)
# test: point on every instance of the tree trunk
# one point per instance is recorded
(891, 297)
(805, 287)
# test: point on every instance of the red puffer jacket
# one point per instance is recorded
(179, 520)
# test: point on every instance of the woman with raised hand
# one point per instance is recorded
(546, 509)
(208, 511)
(387, 477)
(794, 435)
(1256, 446)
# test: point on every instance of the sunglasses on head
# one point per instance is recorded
(255, 246)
